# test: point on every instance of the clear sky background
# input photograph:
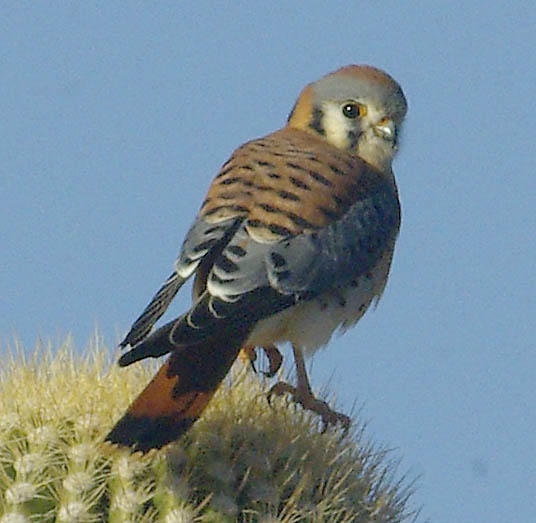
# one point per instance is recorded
(115, 116)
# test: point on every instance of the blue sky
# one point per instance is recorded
(116, 116)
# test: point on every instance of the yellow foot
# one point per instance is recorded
(306, 399)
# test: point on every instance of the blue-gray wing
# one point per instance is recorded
(251, 279)
(201, 239)
(347, 248)
(142, 326)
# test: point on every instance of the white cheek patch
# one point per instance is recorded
(337, 126)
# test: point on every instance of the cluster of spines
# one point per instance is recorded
(243, 461)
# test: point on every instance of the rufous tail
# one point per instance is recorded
(177, 395)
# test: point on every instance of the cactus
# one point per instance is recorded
(242, 461)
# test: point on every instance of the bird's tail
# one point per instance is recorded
(179, 392)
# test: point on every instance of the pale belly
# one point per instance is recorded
(309, 325)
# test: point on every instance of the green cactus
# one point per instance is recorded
(242, 461)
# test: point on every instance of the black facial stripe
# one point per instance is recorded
(316, 121)
(354, 138)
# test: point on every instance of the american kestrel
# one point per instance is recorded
(293, 242)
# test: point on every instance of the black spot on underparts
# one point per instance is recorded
(319, 178)
(246, 167)
(278, 260)
(317, 121)
(354, 284)
(299, 183)
(237, 250)
(274, 175)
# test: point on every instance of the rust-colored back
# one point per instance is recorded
(286, 183)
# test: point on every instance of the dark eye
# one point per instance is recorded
(353, 110)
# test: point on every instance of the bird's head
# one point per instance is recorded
(357, 108)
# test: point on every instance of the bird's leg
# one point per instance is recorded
(249, 355)
(303, 395)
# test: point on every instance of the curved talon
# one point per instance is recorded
(275, 360)
(279, 389)
(305, 398)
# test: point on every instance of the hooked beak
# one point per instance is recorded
(386, 129)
